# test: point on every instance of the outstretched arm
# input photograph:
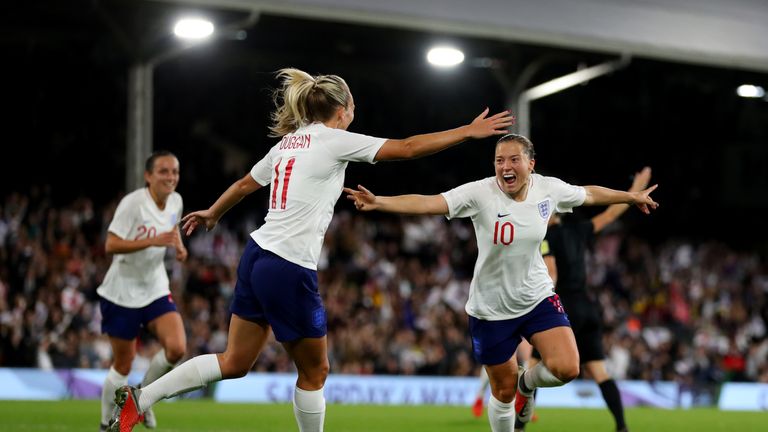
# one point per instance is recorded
(614, 211)
(426, 144)
(407, 204)
(236, 192)
(598, 195)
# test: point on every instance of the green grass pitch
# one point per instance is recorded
(202, 416)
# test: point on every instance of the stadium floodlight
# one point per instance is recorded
(445, 56)
(193, 28)
(750, 91)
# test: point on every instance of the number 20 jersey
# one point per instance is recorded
(510, 277)
(137, 279)
(306, 173)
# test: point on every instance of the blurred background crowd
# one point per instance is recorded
(394, 289)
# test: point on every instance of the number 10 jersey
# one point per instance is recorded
(510, 277)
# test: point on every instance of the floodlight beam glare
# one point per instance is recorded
(750, 91)
(193, 28)
(445, 56)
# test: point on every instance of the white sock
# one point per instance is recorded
(540, 376)
(113, 382)
(484, 381)
(190, 375)
(501, 415)
(309, 409)
(158, 366)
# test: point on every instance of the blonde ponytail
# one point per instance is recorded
(303, 99)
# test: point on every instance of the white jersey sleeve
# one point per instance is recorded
(465, 200)
(354, 147)
(566, 196)
(262, 171)
(125, 217)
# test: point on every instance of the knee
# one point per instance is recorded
(123, 364)
(232, 368)
(504, 389)
(175, 352)
(321, 371)
(505, 394)
(566, 371)
(122, 367)
(316, 375)
(122, 370)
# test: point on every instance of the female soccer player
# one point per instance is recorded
(135, 292)
(277, 278)
(511, 295)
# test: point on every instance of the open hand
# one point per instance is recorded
(482, 126)
(364, 199)
(643, 200)
(193, 220)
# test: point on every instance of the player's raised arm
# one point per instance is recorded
(598, 195)
(426, 144)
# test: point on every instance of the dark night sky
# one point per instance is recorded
(65, 73)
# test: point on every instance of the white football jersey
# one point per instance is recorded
(137, 279)
(306, 173)
(510, 277)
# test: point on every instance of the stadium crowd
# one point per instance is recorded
(394, 290)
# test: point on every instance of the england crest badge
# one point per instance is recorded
(544, 209)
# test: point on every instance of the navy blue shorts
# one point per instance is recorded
(587, 323)
(285, 295)
(494, 342)
(126, 323)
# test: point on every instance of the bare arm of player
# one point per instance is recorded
(118, 245)
(407, 204)
(209, 218)
(598, 195)
(426, 144)
(614, 211)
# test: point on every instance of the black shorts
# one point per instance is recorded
(587, 325)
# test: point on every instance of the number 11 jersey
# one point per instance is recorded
(306, 173)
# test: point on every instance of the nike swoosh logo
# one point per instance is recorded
(503, 215)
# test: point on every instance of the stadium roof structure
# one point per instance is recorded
(725, 33)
